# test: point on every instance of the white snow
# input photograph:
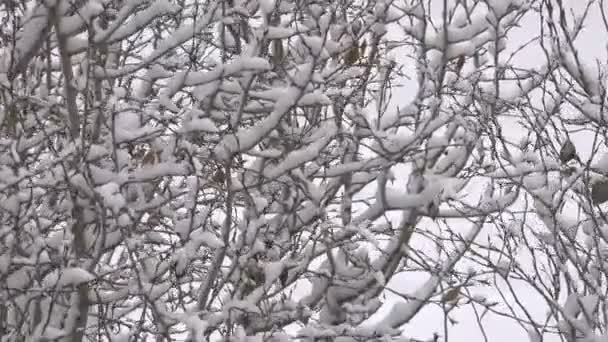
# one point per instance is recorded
(272, 270)
(112, 197)
(206, 238)
(200, 124)
(267, 6)
(67, 277)
(303, 155)
(128, 127)
(316, 46)
(244, 139)
(141, 19)
(198, 326)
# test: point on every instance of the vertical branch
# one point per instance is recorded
(70, 91)
(221, 253)
(79, 242)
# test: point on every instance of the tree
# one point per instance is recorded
(205, 169)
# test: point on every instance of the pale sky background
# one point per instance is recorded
(592, 46)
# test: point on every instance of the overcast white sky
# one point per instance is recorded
(592, 46)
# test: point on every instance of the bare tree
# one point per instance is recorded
(240, 169)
